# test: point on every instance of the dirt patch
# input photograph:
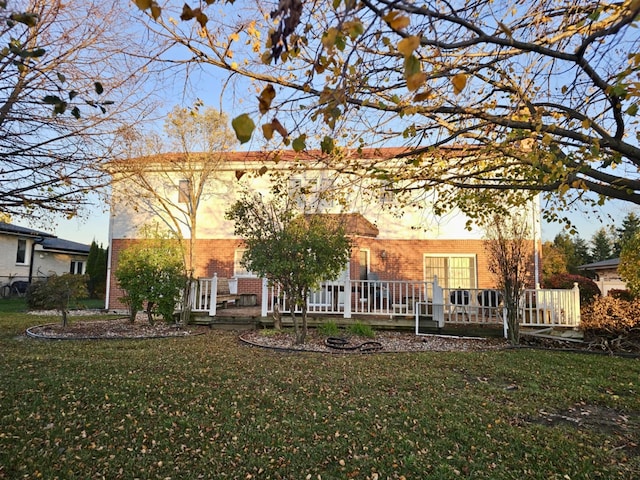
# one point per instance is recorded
(598, 419)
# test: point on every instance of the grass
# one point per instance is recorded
(208, 407)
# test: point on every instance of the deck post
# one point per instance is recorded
(265, 297)
(438, 303)
(347, 293)
(213, 298)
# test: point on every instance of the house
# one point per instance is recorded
(607, 276)
(394, 239)
(27, 255)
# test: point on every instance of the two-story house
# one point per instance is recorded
(394, 237)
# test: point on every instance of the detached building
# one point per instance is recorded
(27, 255)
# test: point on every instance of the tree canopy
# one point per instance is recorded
(543, 95)
(295, 252)
(69, 79)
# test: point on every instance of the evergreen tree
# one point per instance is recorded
(630, 226)
(97, 271)
(601, 246)
(575, 250)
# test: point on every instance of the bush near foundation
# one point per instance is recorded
(588, 288)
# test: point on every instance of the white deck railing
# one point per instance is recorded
(426, 301)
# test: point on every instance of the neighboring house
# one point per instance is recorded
(393, 239)
(607, 276)
(27, 255)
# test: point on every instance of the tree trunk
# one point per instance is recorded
(150, 312)
(277, 317)
(185, 314)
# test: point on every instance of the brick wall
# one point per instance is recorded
(401, 260)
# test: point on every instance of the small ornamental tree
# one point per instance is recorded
(510, 253)
(294, 251)
(629, 268)
(57, 293)
(152, 271)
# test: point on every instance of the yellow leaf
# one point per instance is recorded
(266, 97)
(422, 96)
(396, 20)
(329, 38)
(415, 81)
(586, 123)
(234, 37)
(407, 45)
(143, 4)
(459, 81)
(267, 131)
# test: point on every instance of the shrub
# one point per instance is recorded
(57, 293)
(610, 316)
(329, 329)
(588, 288)
(361, 330)
(621, 294)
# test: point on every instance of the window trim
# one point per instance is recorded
(448, 256)
(239, 271)
(184, 190)
(25, 257)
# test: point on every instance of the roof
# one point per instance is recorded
(47, 240)
(282, 156)
(602, 265)
(353, 223)
(24, 231)
(60, 245)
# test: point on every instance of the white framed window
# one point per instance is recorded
(452, 270)
(184, 189)
(238, 269)
(296, 192)
(21, 252)
(77, 267)
(387, 194)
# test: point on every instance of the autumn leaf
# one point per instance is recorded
(143, 4)
(396, 20)
(243, 126)
(299, 144)
(278, 127)
(459, 82)
(415, 81)
(267, 131)
(240, 174)
(407, 45)
(266, 97)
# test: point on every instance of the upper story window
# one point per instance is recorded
(184, 188)
(21, 254)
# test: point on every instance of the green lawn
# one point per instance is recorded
(208, 407)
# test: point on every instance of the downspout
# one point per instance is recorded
(37, 240)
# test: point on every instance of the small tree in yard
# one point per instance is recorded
(295, 251)
(152, 271)
(629, 267)
(510, 254)
(57, 293)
